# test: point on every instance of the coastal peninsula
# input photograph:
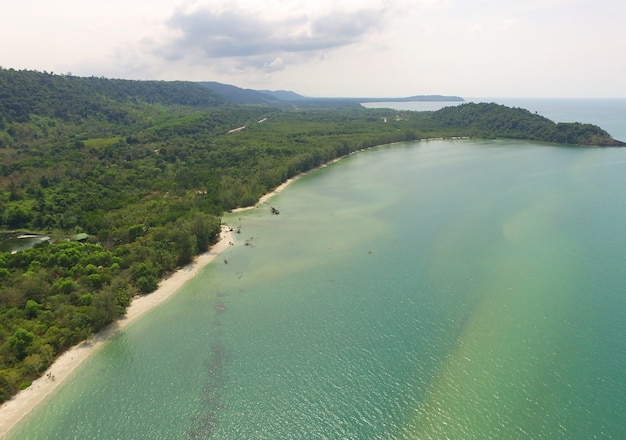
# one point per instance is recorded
(130, 179)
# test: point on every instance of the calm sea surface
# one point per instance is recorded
(425, 290)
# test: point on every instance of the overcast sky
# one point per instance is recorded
(363, 48)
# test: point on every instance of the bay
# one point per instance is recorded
(435, 289)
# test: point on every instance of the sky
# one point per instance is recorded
(339, 48)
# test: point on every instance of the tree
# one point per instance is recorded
(31, 308)
(204, 228)
(184, 244)
(34, 362)
(134, 231)
(19, 342)
(18, 214)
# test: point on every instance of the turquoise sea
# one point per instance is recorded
(461, 289)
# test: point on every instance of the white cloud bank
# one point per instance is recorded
(332, 48)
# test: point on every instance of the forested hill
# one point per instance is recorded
(238, 95)
(71, 99)
(144, 171)
(493, 120)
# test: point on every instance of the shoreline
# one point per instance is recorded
(286, 183)
(283, 185)
(25, 401)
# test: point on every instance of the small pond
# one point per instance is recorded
(22, 242)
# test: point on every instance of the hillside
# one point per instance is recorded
(237, 95)
(494, 120)
(287, 98)
(74, 99)
(146, 170)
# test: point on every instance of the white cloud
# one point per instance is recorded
(276, 64)
(244, 34)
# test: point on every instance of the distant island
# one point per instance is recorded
(416, 98)
(129, 181)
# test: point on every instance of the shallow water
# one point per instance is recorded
(22, 242)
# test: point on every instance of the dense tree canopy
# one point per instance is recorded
(146, 170)
(500, 121)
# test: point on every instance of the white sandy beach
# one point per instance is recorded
(25, 401)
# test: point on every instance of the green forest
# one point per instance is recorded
(145, 170)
